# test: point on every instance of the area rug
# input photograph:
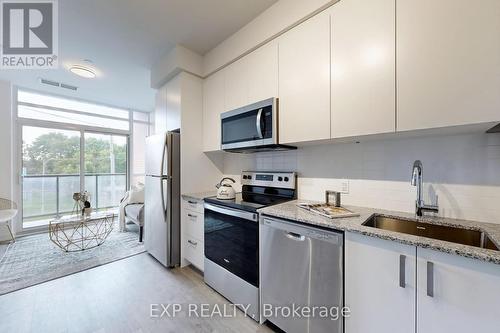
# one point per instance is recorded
(35, 259)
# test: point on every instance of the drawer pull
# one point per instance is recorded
(191, 215)
(192, 242)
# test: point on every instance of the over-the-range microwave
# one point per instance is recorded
(252, 128)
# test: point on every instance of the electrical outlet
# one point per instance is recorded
(344, 186)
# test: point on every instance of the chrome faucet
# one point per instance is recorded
(417, 180)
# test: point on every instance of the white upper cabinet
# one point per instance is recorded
(262, 77)
(213, 106)
(235, 85)
(363, 67)
(465, 294)
(448, 63)
(379, 285)
(304, 81)
(253, 78)
(160, 115)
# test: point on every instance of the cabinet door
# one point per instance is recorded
(235, 85)
(173, 103)
(465, 294)
(304, 81)
(363, 67)
(253, 78)
(374, 269)
(213, 106)
(160, 115)
(262, 75)
(448, 63)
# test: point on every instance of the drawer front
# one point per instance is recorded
(193, 223)
(193, 249)
(194, 205)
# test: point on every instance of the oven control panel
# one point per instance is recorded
(269, 179)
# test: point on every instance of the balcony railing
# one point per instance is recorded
(46, 196)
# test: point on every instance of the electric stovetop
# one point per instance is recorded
(247, 202)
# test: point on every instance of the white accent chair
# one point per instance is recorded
(8, 210)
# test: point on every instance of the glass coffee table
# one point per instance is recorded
(78, 233)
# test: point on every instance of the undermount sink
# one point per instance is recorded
(452, 234)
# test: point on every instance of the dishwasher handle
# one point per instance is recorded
(299, 232)
(294, 236)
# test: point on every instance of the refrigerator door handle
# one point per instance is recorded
(163, 167)
(163, 203)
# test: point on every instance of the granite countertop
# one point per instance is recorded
(290, 211)
(199, 196)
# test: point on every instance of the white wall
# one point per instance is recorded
(6, 149)
(463, 170)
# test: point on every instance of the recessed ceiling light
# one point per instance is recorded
(83, 71)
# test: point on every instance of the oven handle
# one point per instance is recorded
(232, 212)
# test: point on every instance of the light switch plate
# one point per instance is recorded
(344, 185)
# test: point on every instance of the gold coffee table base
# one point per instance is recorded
(78, 233)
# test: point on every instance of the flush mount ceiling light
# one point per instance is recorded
(83, 71)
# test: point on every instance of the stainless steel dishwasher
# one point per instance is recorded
(301, 266)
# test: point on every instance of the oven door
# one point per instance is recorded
(232, 241)
(250, 126)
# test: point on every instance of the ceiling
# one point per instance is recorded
(124, 38)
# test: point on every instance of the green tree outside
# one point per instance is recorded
(56, 153)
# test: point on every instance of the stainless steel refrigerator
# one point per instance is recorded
(162, 198)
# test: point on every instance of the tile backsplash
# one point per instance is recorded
(462, 171)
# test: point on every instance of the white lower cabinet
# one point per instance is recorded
(466, 294)
(391, 287)
(374, 269)
(192, 227)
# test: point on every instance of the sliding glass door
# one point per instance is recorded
(59, 162)
(106, 165)
(50, 172)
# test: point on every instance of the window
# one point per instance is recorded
(69, 146)
(63, 110)
(141, 131)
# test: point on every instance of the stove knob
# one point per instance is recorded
(245, 177)
(280, 179)
(249, 177)
(286, 179)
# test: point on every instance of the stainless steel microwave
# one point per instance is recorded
(251, 128)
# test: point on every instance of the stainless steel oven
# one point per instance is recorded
(232, 255)
(252, 127)
(231, 241)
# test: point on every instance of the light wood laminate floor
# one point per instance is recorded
(116, 298)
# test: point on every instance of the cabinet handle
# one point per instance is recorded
(192, 202)
(191, 215)
(402, 271)
(192, 242)
(430, 279)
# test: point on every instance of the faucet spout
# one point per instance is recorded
(417, 180)
(417, 172)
